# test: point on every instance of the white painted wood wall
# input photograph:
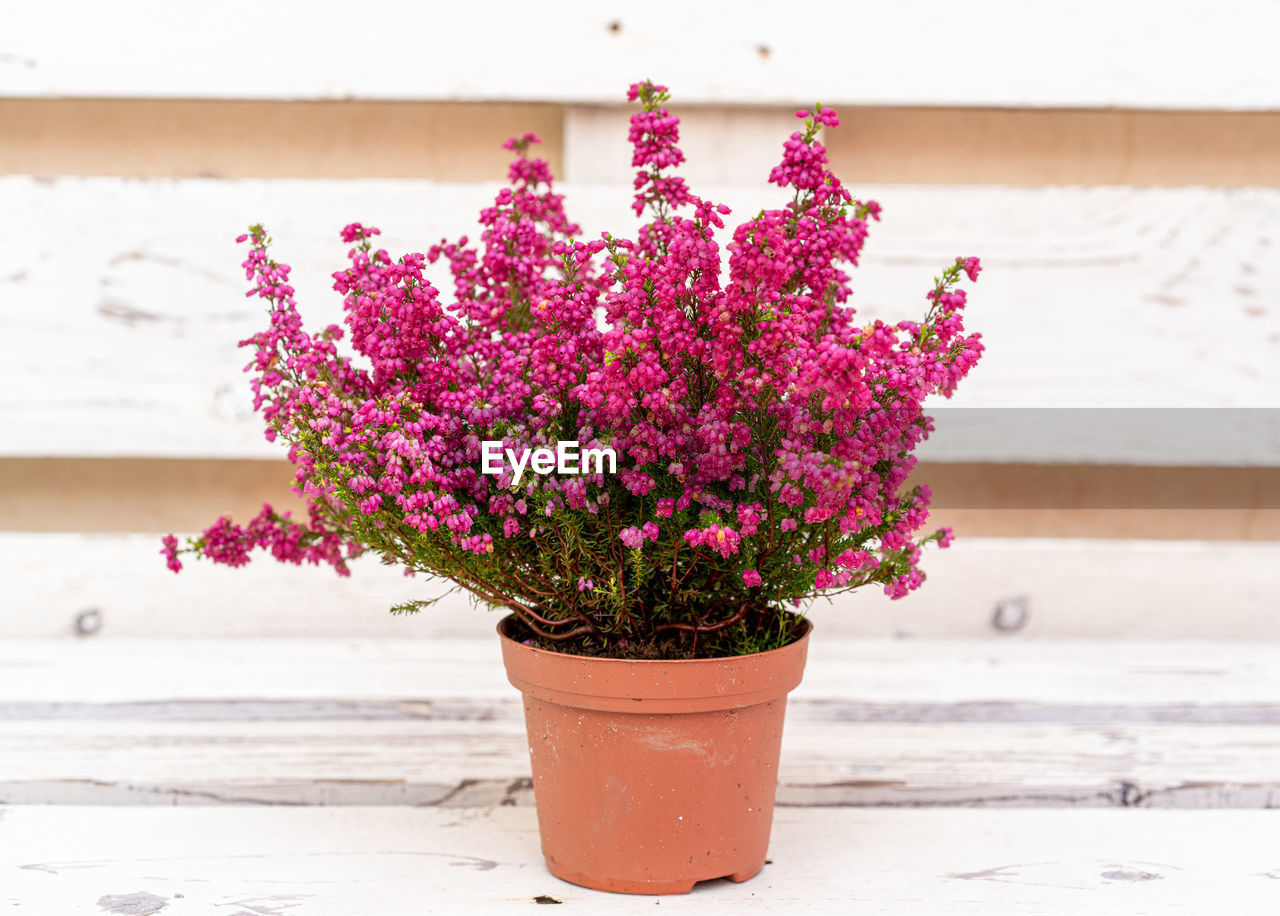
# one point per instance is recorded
(268, 740)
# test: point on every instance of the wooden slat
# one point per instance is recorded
(874, 723)
(1160, 524)
(1033, 147)
(171, 138)
(992, 146)
(1089, 55)
(461, 141)
(979, 587)
(478, 763)
(140, 494)
(1174, 277)
(116, 495)
(329, 862)
(962, 676)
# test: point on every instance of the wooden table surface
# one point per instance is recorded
(381, 776)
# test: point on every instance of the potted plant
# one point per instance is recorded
(645, 457)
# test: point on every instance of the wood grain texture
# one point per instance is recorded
(1034, 588)
(156, 299)
(1102, 501)
(1113, 524)
(902, 723)
(212, 138)
(461, 141)
(465, 673)
(114, 495)
(1091, 55)
(139, 494)
(338, 861)
(991, 146)
(1036, 147)
(471, 764)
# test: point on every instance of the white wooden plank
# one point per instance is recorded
(337, 861)
(486, 762)
(1091, 54)
(1151, 299)
(1035, 588)
(884, 674)
(875, 722)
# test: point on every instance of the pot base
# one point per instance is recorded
(630, 886)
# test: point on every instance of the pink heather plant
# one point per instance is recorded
(763, 436)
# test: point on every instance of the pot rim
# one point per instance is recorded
(654, 685)
(719, 659)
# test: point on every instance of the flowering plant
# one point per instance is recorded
(763, 437)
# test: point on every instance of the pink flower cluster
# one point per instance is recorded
(287, 541)
(764, 435)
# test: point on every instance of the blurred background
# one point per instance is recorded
(1110, 467)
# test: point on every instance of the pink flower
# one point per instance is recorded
(725, 367)
(170, 551)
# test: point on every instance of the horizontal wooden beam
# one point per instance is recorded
(1093, 298)
(435, 723)
(118, 586)
(834, 52)
(1021, 500)
(173, 138)
(457, 674)
(111, 494)
(485, 763)
(407, 859)
(992, 146)
(1104, 501)
(1150, 524)
(1067, 487)
(1046, 147)
(461, 141)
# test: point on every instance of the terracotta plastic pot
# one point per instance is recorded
(650, 776)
